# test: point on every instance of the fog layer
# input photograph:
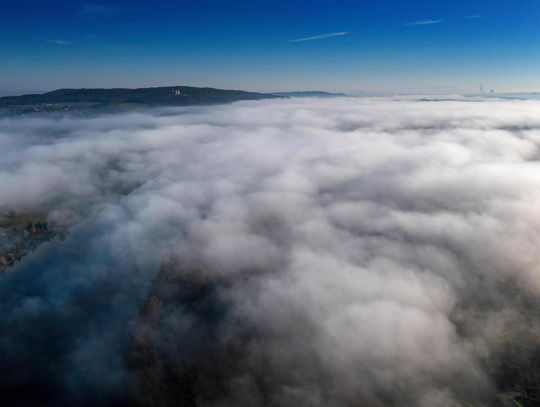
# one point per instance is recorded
(359, 251)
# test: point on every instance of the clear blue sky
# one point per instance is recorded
(349, 45)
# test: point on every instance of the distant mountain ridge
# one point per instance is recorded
(309, 93)
(158, 96)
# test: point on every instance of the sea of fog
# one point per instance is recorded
(363, 251)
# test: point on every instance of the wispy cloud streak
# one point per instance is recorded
(320, 36)
(96, 10)
(473, 17)
(59, 42)
(425, 22)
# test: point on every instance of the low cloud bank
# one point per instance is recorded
(355, 251)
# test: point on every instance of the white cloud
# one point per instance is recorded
(351, 245)
(425, 22)
(96, 10)
(320, 36)
(59, 42)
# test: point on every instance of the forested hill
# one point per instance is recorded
(161, 96)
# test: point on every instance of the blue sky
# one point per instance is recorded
(271, 45)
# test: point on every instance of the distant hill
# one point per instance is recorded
(311, 93)
(67, 99)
